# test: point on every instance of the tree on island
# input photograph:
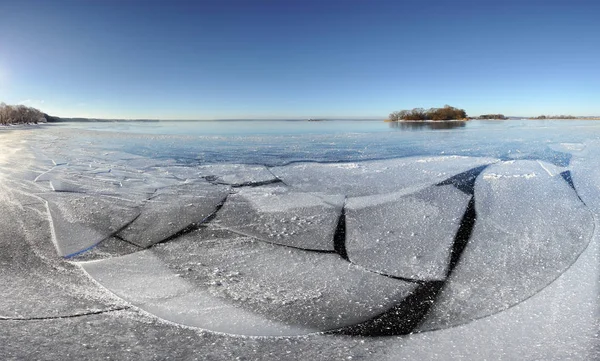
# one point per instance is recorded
(556, 117)
(437, 114)
(492, 116)
(20, 114)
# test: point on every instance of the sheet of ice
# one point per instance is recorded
(121, 183)
(180, 172)
(110, 247)
(142, 279)
(409, 237)
(76, 183)
(172, 209)
(142, 163)
(61, 185)
(530, 228)
(35, 282)
(558, 323)
(573, 148)
(548, 155)
(80, 221)
(585, 173)
(277, 215)
(312, 290)
(236, 174)
(17, 162)
(374, 177)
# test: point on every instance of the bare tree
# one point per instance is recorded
(19, 114)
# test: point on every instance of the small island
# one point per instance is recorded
(491, 117)
(434, 114)
(450, 113)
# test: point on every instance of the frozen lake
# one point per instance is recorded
(279, 142)
(307, 240)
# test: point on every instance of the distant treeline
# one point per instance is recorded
(492, 116)
(445, 113)
(556, 117)
(20, 114)
(52, 119)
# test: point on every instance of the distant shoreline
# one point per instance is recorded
(576, 118)
(58, 120)
(97, 120)
(493, 119)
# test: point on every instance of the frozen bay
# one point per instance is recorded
(332, 239)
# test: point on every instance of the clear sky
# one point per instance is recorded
(285, 58)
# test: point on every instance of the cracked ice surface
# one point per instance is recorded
(110, 247)
(228, 174)
(35, 282)
(144, 280)
(118, 182)
(375, 177)
(281, 216)
(81, 221)
(259, 289)
(319, 291)
(506, 288)
(409, 236)
(530, 227)
(171, 210)
(236, 174)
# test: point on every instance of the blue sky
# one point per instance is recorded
(286, 58)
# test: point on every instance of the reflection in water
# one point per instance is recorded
(427, 125)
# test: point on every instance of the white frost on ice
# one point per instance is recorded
(528, 231)
(375, 177)
(410, 236)
(281, 216)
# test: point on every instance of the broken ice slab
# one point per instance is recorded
(60, 161)
(585, 173)
(180, 172)
(313, 290)
(573, 148)
(134, 192)
(80, 178)
(558, 323)
(80, 221)
(172, 209)
(34, 282)
(110, 247)
(408, 236)
(135, 162)
(300, 290)
(237, 174)
(530, 228)
(134, 186)
(228, 174)
(375, 177)
(62, 185)
(144, 280)
(547, 155)
(275, 214)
